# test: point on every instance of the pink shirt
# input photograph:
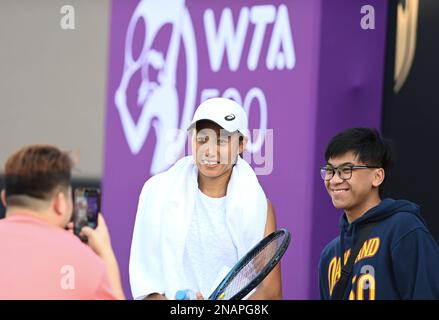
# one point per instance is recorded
(42, 261)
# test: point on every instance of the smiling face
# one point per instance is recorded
(357, 194)
(215, 149)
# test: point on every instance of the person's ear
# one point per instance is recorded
(60, 203)
(378, 177)
(242, 144)
(3, 197)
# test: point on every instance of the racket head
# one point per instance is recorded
(283, 237)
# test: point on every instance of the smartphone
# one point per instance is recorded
(87, 205)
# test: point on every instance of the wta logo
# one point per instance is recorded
(160, 77)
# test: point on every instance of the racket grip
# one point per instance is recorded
(186, 294)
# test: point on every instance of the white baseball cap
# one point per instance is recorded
(226, 113)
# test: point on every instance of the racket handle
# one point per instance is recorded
(187, 294)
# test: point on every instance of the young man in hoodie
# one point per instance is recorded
(399, 258)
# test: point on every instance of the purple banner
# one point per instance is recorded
(301, 69)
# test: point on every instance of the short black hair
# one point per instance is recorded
(202, 123)
(365, 143)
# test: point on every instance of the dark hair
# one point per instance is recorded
(36, 171)
(365, 143)
(200, 124)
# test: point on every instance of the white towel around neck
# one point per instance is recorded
(164, 213)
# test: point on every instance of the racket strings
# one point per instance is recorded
(254, 266)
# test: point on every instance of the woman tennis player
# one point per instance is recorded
(197, 219)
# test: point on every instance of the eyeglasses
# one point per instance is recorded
(343, 171)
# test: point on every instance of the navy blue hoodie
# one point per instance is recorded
(399, 259)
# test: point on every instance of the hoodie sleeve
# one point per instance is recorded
(415, 259)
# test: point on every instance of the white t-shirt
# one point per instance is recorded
(209, 250)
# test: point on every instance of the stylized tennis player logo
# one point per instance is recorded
(158, 97)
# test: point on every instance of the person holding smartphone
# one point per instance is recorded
(40, 259)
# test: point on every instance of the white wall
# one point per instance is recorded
(53, 81)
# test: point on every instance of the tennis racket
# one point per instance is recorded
(251, 269)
